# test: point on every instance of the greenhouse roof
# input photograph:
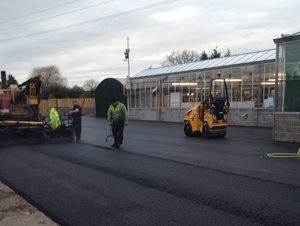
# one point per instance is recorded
(265, 56)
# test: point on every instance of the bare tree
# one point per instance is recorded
(90, 87)
(50, 76)
(188, 56)
(90, 84)
(177, 57)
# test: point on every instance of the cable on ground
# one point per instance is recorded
(284, 155)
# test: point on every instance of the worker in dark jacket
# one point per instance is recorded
(76, 115)
(118, 117)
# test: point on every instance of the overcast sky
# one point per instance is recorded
(87, 38)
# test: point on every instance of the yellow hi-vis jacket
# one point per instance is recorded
(54, 118)
(117, 112)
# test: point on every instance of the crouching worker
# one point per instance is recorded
(118, 118)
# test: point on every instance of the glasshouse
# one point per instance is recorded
(250, 78)
(263, 89)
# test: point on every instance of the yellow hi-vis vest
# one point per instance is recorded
(54, 118)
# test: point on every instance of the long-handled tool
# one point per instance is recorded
(82, 109)
(109, 137)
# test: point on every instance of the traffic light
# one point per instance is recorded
(126, 53)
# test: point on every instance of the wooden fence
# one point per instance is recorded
(46, 105)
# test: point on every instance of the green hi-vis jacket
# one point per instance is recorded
(117, 112)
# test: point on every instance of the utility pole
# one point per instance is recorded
(127, 86)
(126, 53)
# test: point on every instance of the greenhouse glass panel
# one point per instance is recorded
(265, 55)
(235, 59)
(245, 58)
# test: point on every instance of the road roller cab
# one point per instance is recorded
(210, 118)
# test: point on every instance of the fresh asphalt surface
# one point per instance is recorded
(158, 177)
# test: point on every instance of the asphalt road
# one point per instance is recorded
(158, 177)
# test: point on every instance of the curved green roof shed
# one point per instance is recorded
(107, 89)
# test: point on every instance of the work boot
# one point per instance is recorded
(114, 145)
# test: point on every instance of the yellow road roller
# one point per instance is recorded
(210, 118)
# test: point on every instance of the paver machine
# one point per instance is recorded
(21, 121)
(210, 118)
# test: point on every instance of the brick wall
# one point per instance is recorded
(287, 127)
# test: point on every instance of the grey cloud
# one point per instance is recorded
(95, 50)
